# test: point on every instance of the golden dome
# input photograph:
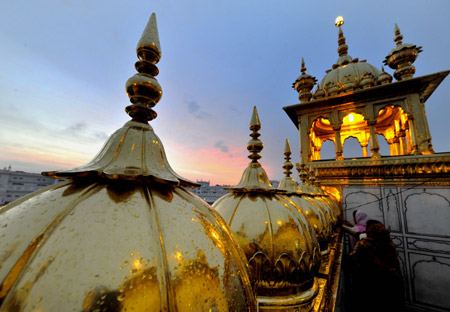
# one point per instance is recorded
(347, 74)
(315, 216)
(316, 197)
(123, 234)
(277, 240)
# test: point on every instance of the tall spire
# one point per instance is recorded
(255, 145)
(254, 178)
(398, 36)
(134, 152)
(342, 49)
(288, 165)
(143, 89)
(288, 183)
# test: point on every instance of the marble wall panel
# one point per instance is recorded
(392, 209)
(430, 279)
(365, 199)
(427, 245)
(427, 211)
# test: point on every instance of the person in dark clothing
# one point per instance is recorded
(377, 280)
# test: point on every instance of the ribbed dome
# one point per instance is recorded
(278, 241)
(347, 74)
(124, 234)
(118, 246)
(315, 216)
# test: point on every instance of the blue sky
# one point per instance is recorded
(63, 67)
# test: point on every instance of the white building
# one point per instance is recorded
(15, 184)
(210, 193)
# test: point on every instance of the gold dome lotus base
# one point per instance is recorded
(303, 302)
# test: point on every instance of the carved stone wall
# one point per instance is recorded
(419, 221)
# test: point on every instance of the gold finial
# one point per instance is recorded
(342, 48)
(398, 36)
(304, 84)
(255, 145)
(339, 21)
(143, 89)
(402, 56)
(288, 165)
(303, 69)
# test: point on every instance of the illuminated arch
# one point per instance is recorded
(321, 130)
(393, 124)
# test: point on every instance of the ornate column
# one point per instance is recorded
(401, 138)
(420, 126)
(414, 147)
(374, 147)
(393, 146)
(364, 149)
(338, 144)
(305, 144)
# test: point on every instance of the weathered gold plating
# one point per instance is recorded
(123, 234)
(277, 240)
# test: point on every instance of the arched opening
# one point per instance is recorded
(393, 124)
(328, 150)
(383, 145)
(321, 131)
(355, 126)
(352, 148)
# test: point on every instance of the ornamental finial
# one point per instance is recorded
(342, 48)
(255, 145)
(303, 69)
(304, 84)
(402, 56)
(143, 89)
(398, 36)
(288, 165)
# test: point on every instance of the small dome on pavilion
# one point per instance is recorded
(123, 234)
(348, 74)
(277, 240)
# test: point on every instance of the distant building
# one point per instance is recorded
(210, 193)
(15, 184)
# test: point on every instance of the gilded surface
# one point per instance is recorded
(314, 215)
(118, 247)
(277, 240)
(123, 235)
(426, 169)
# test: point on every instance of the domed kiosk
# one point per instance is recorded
(123, 234)
(277, 240)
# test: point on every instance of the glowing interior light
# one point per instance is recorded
(351, 118)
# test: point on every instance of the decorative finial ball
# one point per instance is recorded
(339, 21)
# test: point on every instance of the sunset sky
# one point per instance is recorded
(63, 67)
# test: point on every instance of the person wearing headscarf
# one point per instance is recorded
(360, 218)
(377, 280)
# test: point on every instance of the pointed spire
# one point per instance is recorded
(384, 77)
(150, 40)
(402, 56)
(304, 84)
(143, 89)
(255, 145)
(303, 69)
(254, 178)
(288, 165)
(342, 48)
(288, 183)
(134, 152)
(398, 36)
